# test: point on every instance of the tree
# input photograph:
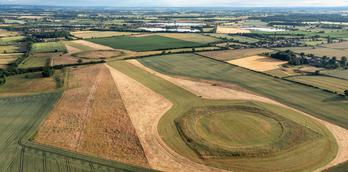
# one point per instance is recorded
(2, 79)
(346, 92)
(47, 72)
(343, 61)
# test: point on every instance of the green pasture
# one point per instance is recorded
(47, 47)
(144, 43)
(339, 73)
(323, 82)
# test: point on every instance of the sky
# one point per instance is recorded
(182, 3)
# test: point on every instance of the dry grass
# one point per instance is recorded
(258, 63)
(192, 37)
(100, 34)
(223, 29)
(100, 54)
(227, 55)
(71, 49)
(92, 45)
(29, 83)
(6, 33)
(64, 59)
(100, 126)
(341, 45)
(30, 17)
(6, 61)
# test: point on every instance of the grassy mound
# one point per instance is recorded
(239, 131)
(99, 54)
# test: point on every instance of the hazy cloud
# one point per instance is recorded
(181, 3)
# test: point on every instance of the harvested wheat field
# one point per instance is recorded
(227, 55)
(232, 30)
(89, 45)
(258, 63)
(225, 91)
(100, 126)
(71, 49)
(64, 59)
(193, 37)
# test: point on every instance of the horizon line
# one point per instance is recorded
(241, 6)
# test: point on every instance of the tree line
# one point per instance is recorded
(302, 59)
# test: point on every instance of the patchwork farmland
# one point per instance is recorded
(173, 89)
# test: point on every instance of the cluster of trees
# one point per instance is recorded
(283, 55)
(329, 63)
(286, 23)
(324, 62)
(344, 62)
(57, 34)
(303, 17)
(2, 79)
(47, 72)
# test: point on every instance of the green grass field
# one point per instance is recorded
(323, 82)
(300, 156)
(145, 43)
(338, 168)
(12, 49)
(318, 103)
(239, 130)
(47, 47)
(11, 40)
(318, 51)
(38, 60)
(339, 34)
(339, 73)
(31, 83)
(18, 116)
(226, 55)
